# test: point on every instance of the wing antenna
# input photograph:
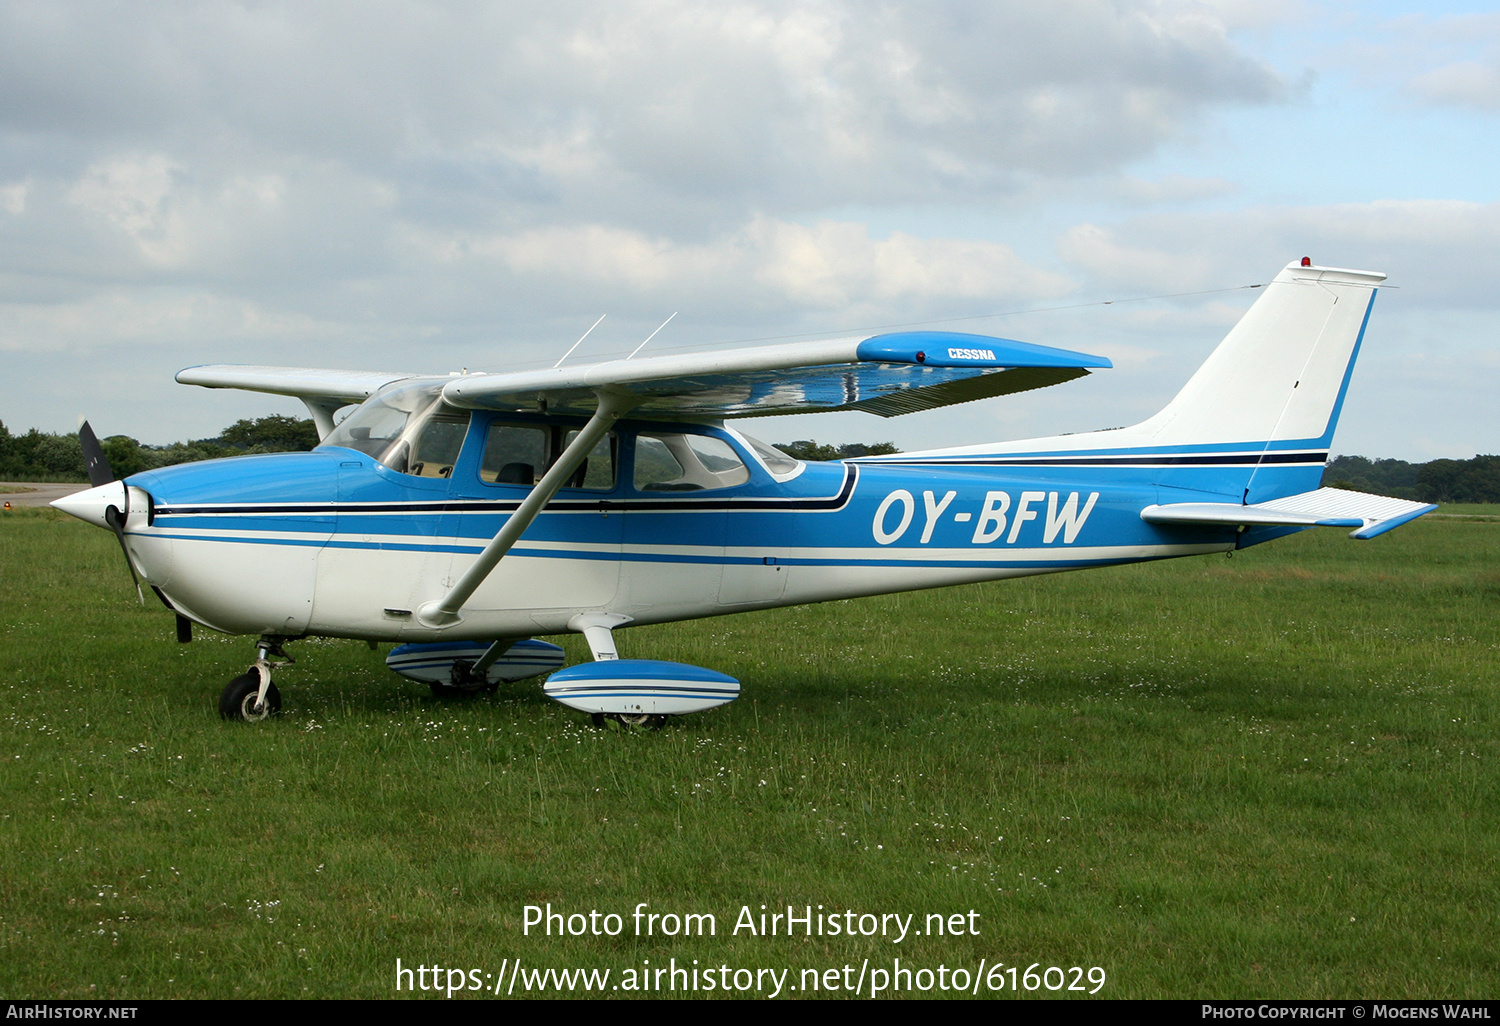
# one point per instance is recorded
(649, 337)
(585, 335)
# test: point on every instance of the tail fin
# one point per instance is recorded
(1280, 375)
(1256, 420)
(1276, 384)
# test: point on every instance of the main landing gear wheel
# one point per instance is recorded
(630, 721)
(238, 700)
(464, 681)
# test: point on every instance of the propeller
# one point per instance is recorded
(99, 506)
(94, 458)
(100, 474)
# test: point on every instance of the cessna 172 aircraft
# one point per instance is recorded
(461, 516)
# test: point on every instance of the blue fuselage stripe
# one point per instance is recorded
(1058, 511)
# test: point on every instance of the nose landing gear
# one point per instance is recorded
(251, 697)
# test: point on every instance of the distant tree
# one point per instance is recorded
(125, 455)
(59, 454)
(36, 455)
(876, 449)
(17, 463)
(809, 450)
(817, 452)
(1476, 480)
(1396, 478)
(187, 452)
(270, 434)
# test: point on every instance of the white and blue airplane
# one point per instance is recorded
(462, 516)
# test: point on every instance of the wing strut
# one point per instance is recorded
(444, 612)
(321, 409)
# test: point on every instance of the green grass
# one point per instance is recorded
(1268, 776)
(1469, 509)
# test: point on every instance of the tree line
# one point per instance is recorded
(1475, 480)
(39, 456)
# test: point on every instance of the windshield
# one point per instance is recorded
(408, 428)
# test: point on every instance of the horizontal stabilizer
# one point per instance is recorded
(1370, 515)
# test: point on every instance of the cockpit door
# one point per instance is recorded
(693, 536)
(569, 558)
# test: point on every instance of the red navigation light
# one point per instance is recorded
(921, 357)
(1307, 261)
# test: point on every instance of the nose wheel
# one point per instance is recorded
(251, 697)
(241, 698)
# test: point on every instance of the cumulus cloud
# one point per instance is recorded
(827, 265)
(640, 104)
(1466, 83)
(1438, 60)
(1174, 188)
(445, 164)
(143, 319)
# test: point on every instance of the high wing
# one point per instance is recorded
(322, 391)
(887, 375)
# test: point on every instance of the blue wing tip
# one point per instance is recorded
(959, 349)
(1377, 529)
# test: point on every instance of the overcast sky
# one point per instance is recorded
(428, 187)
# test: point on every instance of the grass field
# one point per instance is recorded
(1266, 776)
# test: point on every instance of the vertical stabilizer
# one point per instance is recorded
(1253, 424)
(1280, 374)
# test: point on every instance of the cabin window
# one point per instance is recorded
(781, 466)
(598, 471)
(686, 463)
(514, 454)
(519, 454)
